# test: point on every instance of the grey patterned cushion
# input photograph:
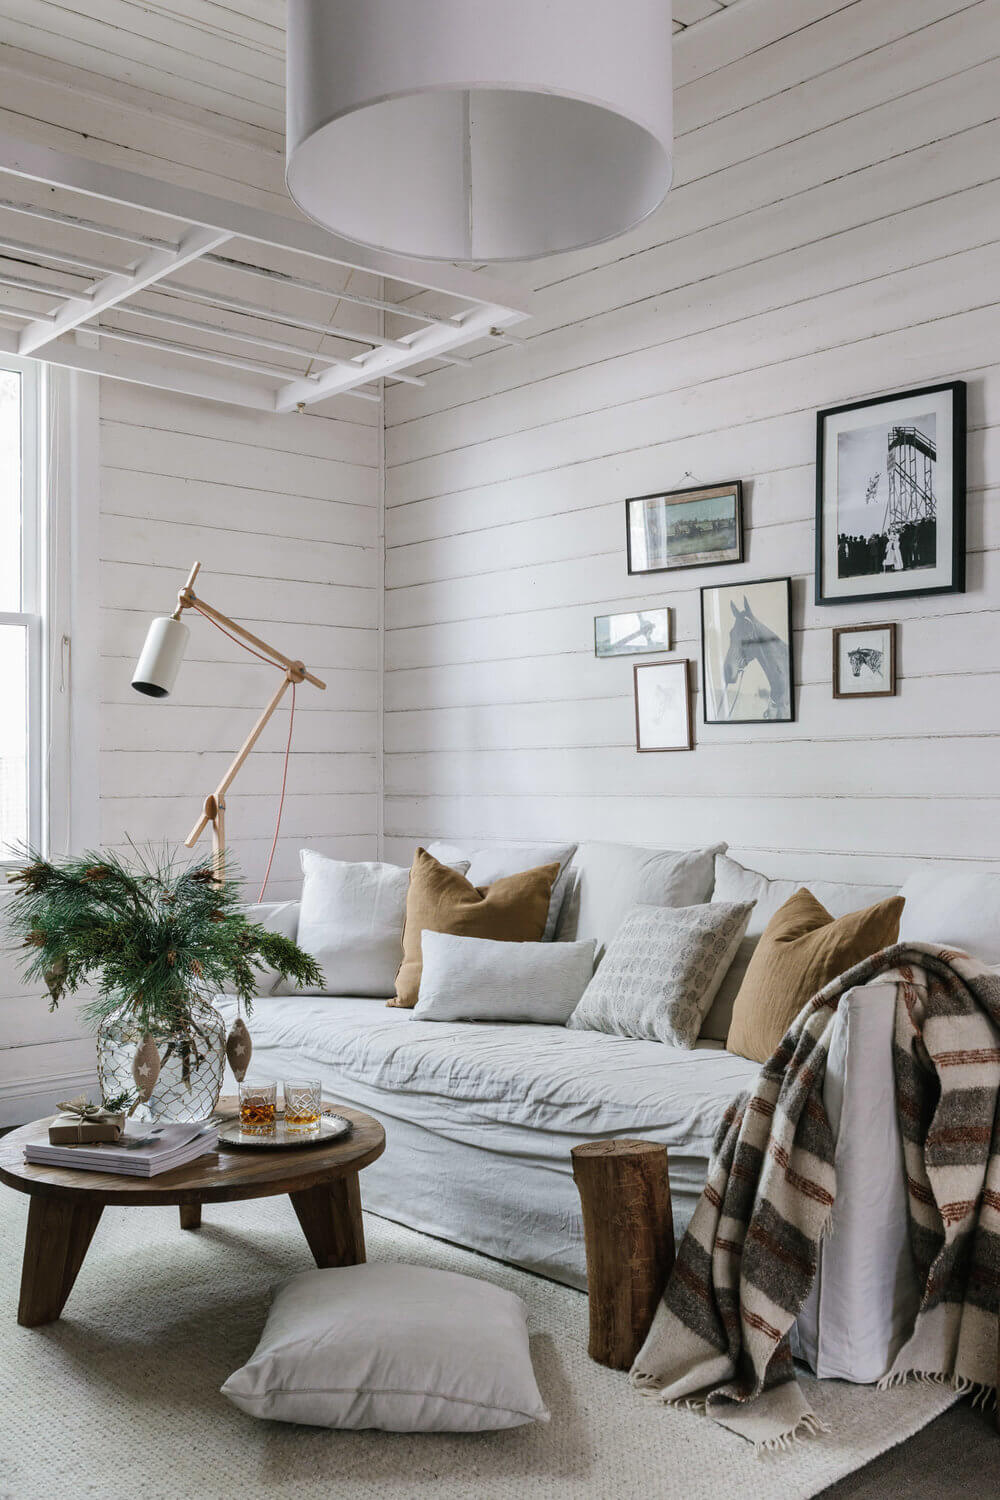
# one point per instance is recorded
(661, 971)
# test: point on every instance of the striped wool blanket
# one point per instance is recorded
(720, 1338)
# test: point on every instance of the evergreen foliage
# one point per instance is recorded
(153, 936)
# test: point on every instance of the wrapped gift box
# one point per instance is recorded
(70, 1130)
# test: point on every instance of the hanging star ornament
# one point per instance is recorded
(239, 1049)
(146, 1067)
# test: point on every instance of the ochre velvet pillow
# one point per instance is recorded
(511, 910)
(801, 949)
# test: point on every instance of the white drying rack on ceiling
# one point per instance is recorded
(169, 228)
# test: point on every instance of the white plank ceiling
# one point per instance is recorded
(205, 55)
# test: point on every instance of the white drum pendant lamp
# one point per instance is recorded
(479, 130)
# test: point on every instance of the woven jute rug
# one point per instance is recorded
(121, 1396)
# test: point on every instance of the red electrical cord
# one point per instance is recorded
(288, 742)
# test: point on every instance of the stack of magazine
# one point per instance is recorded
(142, 1151)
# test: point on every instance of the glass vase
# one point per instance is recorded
(192, 1062)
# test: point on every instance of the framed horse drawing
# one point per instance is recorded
(746, 653)
(864, 661)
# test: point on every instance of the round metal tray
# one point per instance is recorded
(331, 1128)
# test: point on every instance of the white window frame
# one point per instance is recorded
(33, 611)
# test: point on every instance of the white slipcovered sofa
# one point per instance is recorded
(480, 1118)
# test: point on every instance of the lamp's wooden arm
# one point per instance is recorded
(218, 798)
(188, 599)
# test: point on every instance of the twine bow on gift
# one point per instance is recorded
(80, 1112)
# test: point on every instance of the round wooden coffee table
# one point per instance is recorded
(66, 1205)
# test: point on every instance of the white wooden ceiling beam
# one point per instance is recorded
(60, 257)
(426, 344)
(291, 320)
(218, 330)
(88, 226)
(379, 304)
(119, 286)
(116, 185)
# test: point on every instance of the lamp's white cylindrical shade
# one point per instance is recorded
(159, 661)
(477, 130)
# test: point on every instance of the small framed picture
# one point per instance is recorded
(890, 496)
(662, 706)
(746, 652)
(632, 634)
(864, 661)
(685, 528)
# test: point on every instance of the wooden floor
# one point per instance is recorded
(957, 1455)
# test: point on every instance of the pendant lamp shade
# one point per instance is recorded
(479, 130)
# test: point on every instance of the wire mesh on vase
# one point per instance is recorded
(192, 1062)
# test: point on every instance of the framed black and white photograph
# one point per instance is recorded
(662, 706)
(685, 528)
(890, 496)
(746, 652)
(864, 661)
(635, 634)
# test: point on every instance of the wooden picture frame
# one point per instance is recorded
(666, 717)
(645, 632)
(657, 534)
(747, 627)
(863, 668)
(890, 496)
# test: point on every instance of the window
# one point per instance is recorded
(21, 605)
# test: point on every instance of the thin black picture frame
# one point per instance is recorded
(957, 390)
(710, 588)
(701, 491)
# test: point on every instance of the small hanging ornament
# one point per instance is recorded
(239, 1049)
(146, 1067)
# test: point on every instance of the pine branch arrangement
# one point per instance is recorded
(153, 936)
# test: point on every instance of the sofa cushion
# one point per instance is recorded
(477, 979)
(609, 879)
(662, 968)
(801, 950)
(735, 883)
(281, 917)
(396, 1347)
(439, 899)
(961, 910)
(490, 862)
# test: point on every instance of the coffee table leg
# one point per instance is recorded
(190, 1215)
(58, 1237)
(330, 1216)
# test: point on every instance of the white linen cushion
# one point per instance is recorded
(962, 911)
(281, 917)
(477, 979)
(401, 1348)
(612, 878)
(733, 882)
(351, 923)
(491, 862)
(660, 972)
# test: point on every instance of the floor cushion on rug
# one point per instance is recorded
(397, 1347)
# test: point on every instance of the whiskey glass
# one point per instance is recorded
(303, 1105)
(258, 1108)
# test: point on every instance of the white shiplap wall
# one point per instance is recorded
(282, 512)
(834, 232)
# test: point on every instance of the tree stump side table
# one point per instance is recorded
(628, 1232)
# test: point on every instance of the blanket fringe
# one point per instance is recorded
(806, 1427)
(982, 1393)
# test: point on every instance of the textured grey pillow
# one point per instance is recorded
(660, 972)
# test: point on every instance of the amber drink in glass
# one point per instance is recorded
(258, 1108)
(303, 1105)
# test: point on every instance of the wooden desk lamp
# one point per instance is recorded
(155, 674)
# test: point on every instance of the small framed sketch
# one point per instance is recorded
(746, 652)
(632, 634)
(864, 661)
(662, 706)
(890, 496)
(685, 528)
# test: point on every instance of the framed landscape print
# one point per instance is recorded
(662, 706)
(634, 634)
(746, 652)
(685, 528)
(890, 496)
(864, 661)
